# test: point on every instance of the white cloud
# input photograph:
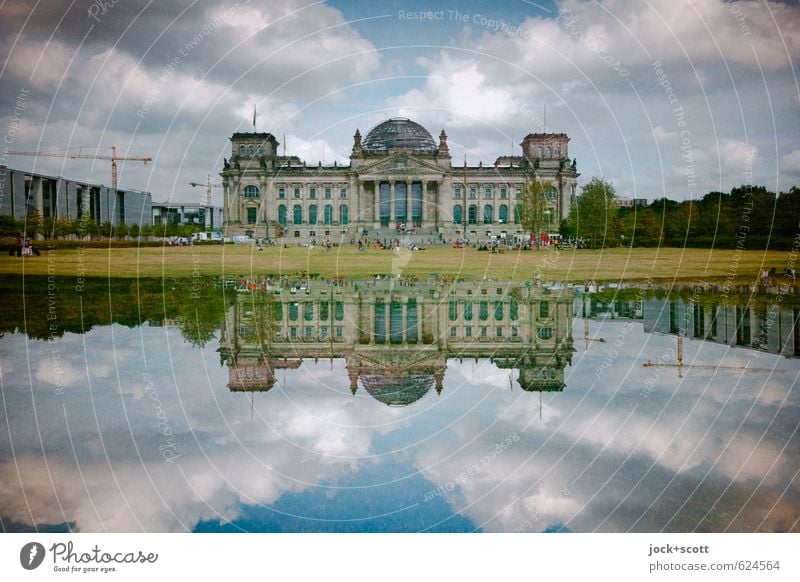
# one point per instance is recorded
(738, 155)
(791, 163)
(45, 64)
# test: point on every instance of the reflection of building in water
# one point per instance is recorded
(396, 340)
(771, 328)
(591, 306)
(754, 323)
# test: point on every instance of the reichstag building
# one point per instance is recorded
(399, 181)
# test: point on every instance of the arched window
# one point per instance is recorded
(242, 150)
(308, 310)
(293, 311)
(545, 333)
(468, 310)
(538, 151)
(550, 192)
(312, 214)
(483, 310)
(297, 214)
(502, 214)
(328, 216)
(251, 150)
(251, 192)
(472, 214)
(452, 310)
(513, 309)
(488, 214)
(547, 152)
(517, 213)
(498, 310)
(282, 215)
(558, 151)
(339, 311)
(344, 214)
(260, 150)
(457, 218)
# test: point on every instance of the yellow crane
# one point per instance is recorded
(680, 365)
(209, 186)
(81, 156)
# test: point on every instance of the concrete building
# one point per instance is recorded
(398, 175)
(57, 197)
(396, 340)
(773, 328)
(629, 202)
(187, 213)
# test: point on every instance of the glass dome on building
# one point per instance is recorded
(397, 390)
(399, 133)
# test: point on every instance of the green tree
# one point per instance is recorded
(106, 229)
(594, 217)
(146, 230)
(134, 230)
(641, 228)
(121, 230)
(9, 226)
(33, 222)
(63, 226)
(532, 206)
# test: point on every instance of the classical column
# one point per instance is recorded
(409, 199)
(418, 308)
(387, 315)
(371, 320)
(376, 200)
(424, 212)
(391, 201)
(404, 320)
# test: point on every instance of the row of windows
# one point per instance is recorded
(324, 310)
(312, 192)
(488, 192)
(254, 192)
(297, 214)
(547, 152)
(251, 150)
(309, 332)
(544, 333)
(488, 214)
(482, 331)
(483, 310)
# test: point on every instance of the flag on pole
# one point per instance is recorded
(254, 116)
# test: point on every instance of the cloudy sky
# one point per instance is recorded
(661, 97)
(706, 450)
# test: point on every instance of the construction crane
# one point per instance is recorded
(680, 365)
(79, 156)
(208, 185)
(586, 337)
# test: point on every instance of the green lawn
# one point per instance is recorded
(567, 265)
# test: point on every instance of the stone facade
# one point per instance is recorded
(396, 340)
(398, 175)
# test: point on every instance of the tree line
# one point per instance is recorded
(747, 217)
(58, 228)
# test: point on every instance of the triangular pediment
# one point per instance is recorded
(400, 164)
(399, 359)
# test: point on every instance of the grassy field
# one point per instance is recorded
(666, 264)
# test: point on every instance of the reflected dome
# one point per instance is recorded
(397, 390)
(399, 133)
